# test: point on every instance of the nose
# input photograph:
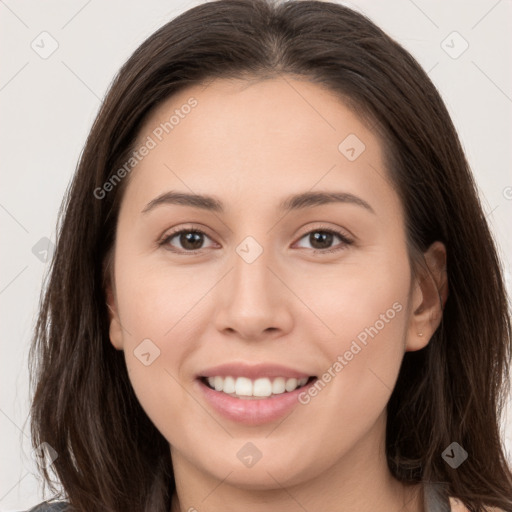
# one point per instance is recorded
(253, 300)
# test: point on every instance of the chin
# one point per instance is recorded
(263, 475)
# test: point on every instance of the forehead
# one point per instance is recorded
(268, 135)
(282, 106)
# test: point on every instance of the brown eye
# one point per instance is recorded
(321, 240)
(190, 240)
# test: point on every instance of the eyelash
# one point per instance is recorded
(344, 239)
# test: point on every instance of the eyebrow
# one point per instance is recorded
(294, 202)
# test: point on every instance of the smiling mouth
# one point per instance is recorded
(255, 389)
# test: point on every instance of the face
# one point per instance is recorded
(263, 293)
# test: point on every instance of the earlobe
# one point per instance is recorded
(429, 297)
(115, 329)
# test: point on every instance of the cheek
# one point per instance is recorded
(157, 300)
(363, 312)
(361, 298)
(164, 308)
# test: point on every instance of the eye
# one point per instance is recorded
(191, 240)
(322, 238)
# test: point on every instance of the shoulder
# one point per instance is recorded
(59, 506)
(457, 506)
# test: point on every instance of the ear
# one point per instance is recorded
(430, 292)
(115, 329)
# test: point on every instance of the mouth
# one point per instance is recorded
(252, 394)
(245, 388)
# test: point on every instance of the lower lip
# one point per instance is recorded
(252, 412)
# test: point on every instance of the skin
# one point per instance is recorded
(251, 144)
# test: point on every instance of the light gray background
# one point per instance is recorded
(48, 105)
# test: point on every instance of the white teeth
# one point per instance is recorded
(262, 387)
(278, 386)
(243, 386)
(218, 383)
(291, 384)
(229, 385)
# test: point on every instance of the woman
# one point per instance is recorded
(197, 355)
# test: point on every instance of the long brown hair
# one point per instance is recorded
(110, 455)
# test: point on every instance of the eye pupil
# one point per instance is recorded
(191, 237)
(323, 237)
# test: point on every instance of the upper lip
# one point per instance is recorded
(253, 371)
